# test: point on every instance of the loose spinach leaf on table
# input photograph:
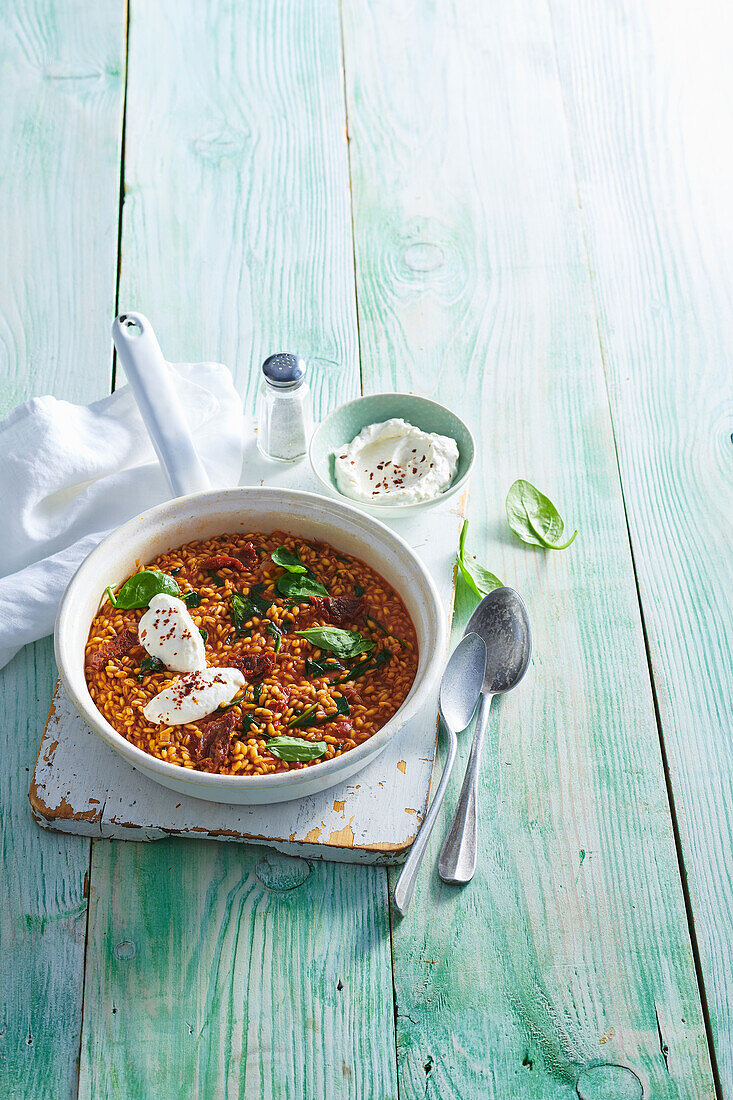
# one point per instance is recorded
(139, 590)
(287, 560)
(534, 518)
(296, 749)
(297, 586)
(478, 579)
(344, 643)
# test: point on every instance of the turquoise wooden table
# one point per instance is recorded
(520, 209)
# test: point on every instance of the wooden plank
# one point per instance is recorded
(237, 242)
(61, 86)
(566, 966)
(228, 974)
(654, 184)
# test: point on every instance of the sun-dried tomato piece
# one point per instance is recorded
(253, 666)
(223, 561)
(351, 694)
(343, 727)
(343, 609)
(215, 740)
(116, 647)
(247, 555)
(277, 706)
(338, 609)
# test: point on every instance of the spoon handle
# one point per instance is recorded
(405, 887)
(457, 861)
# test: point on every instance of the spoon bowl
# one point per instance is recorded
(501, 620)
(462, 681)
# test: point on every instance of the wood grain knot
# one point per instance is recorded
(125, 950)
(609, 1082)
(222, 145)
(281, 873)
(424, 256)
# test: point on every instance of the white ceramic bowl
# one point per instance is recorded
(201, 516)
(342, 425)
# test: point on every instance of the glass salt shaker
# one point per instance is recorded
(284, 414)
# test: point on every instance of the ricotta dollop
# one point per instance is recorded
(168, 632)
(194, 696)
(396, 463)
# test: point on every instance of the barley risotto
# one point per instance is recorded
(251, 654)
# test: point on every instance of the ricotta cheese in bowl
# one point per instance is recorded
(396, 463)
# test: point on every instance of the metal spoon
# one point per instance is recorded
(459, 692)
(502, 621)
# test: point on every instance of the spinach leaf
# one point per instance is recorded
(218, 581)
(228, 706)
(383, 629)
(342, 707)
(287, 560)
(150, 664)
(176, 571)
(257, 694)
(294, 586)
(247, 723)
(296, 749)
(344, 643)
(534, 518)
(322, 668)
(358, 590)
(478, 579)
(302, 719)
(306, 717)
(380, 626)
(139, 590)
(241, 612)
(275, 632)
(204, 634)
(245, 608)
(192, 598)
(369, 664)
(258, 599)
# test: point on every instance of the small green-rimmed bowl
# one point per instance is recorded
(345, 422)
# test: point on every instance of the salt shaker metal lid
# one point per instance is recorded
(284, 371)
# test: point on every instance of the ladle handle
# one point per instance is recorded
(152, 386)
(457, 861)
(405, 887)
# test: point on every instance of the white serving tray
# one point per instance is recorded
(80, 785)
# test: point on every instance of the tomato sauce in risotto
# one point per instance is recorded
(257, 654)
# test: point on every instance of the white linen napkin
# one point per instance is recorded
(69, 474)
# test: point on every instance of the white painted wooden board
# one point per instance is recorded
(81, 785)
